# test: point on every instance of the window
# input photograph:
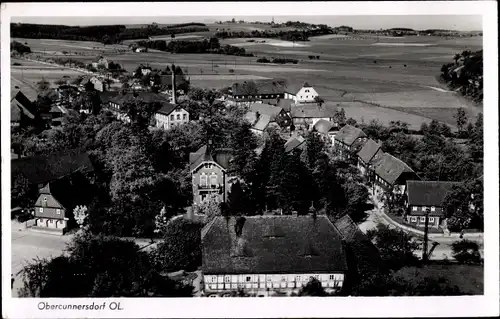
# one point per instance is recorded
(45, 199)
(184, 116)
(297, 278)
(424, 208)
(414, 208)
(214, 278)
(58, 211)
(248, 279)
(307, 91)
(283, 278)
(171, 117)
(41, 210)
(307, 96)
(178, 116)
(213, 180)
(332, 277)
(422, 219)
(203, 179)
(431, 219)
(433, 209)
(227, 279)
(414, 219)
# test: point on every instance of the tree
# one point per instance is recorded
(340, 117)
(20, 193)
(457, 57)
(313, 288)
(97, 266)
(461, 118)
(210, 207)
(238, 201)
(80, 214)
(466, 251)
(396, 247)
(357, 201)
(318, 100)
(313, 150)
(476, 140)
(181, 246)
(43, 85)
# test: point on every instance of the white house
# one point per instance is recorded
(304, 94)
(171, 115)
(271, 254)
(101, 61)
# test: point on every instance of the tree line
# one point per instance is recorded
(293, 35)
(205, 46)
(107, 34)
(19, 47)
(277, 60)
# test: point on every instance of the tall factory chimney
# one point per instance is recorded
(174, 100)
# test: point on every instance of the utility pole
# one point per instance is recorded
(425, 257)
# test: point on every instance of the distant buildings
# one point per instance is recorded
(117, 103)
(22, 111)
(327, 130)
(210, 179)
(261, 115)
(301, 94)
(97, 84)
(100, 62)
(170, 115)
(271, 255)
(347, 140)
(306, 115)
(295, 142)
(365, 156)
(426, 197)
(391, 174)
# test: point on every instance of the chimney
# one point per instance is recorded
(174, 100)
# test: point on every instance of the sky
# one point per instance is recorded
(418, 22)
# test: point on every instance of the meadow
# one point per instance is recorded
(388, 78)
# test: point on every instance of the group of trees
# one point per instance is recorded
(204, 46)
(19, 47)
(277, 60)
(466, 74)
(291, 35)
(106, 34)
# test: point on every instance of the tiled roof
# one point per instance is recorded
(285, 104)
(312, 110)
(106, 96)
(167, 108)
(272, 244)
(294, 142)
(368, 151)
(19, 103)
(428, 193)
(42, 169)
(147, 97)
(323, 126)
(68, 193)
(260, 122)
(390, 168)
(267, 109)
(348, 134)
(204, 154)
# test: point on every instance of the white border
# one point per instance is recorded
(486, 305)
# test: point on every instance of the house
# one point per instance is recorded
(277, 114)
(170, 115)
(295, 142)
(101, 62)
(141, 49)
(423, 196)
(22, 110)
(271, 255)
(365, 156)
(306, 115)
(260, 122)
(209, 174)
(346, 138)
(145, 70)
(56, 201)
(363, 257)
(117, 104)
(391, 174)
(285, 104)
(97, 84)
(257, 91)
(301, 94)
(327, 129)
(164, 83)
(39, 170)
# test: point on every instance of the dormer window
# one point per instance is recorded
(45, 199)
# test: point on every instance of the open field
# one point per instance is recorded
(397, 80)
(468, 278)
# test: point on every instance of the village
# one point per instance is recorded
(261, 188)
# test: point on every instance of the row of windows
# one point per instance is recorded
(261, 96)
(277, 278)
(422, 219)
(424, 208)
(58, 211)
(261, 285)
(307, 96)
(204, 180)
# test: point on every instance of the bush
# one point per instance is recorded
(466, 251)
(17, 64)
(263, 60)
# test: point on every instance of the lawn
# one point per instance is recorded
(445, 115)
(468, 278)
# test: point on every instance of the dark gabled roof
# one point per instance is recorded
(266, 109)
(285, 104)
(323, 126)
(348, 134)
(107, 96)
(427, 193)
(67, 192)
(260, 122)
(166, 81)
(147, 97)
(265, 87)
(312, 110)
(294, 142)
(167, 108)
(368, 151)
(389, 168)
(220, 156)
(308, 245)
(19, 103)
(42, 169)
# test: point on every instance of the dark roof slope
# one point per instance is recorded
(308, 245)
(267, 109)
(348, 134)
(323, 126)
(428, 193)
(221, 156)
(285, 104)
(106, 96)
(42, 169)
(19, 103)
(294, 142)
(147, 97)
(389, 168)
(312, 110)
(369, 150)
(167, 108)
(69, 192)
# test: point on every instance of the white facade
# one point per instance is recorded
(261, 284)
(175, 118)
(305, 95)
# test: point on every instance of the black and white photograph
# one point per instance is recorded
(215, 151)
